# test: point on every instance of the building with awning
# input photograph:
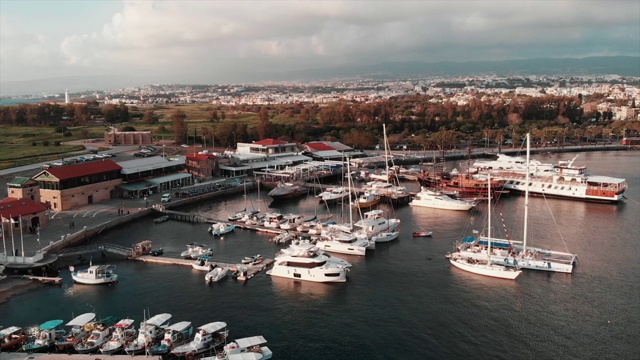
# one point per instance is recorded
(146, 176)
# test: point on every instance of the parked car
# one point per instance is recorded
(165, 197)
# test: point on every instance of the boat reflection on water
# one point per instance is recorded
(296, 289)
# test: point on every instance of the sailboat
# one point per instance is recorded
(516, 253)
(244, 213)
(484, 265)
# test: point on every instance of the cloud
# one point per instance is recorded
(180, 37)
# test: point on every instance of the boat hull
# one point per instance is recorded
(304, 274)
(490, 270)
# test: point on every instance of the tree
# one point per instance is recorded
(179, 126)
(149, 117)
(263, 123)
(213, 117)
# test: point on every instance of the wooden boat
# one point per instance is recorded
(95, 275)
(422, 233)
(11, 337)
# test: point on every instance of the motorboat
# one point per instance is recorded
(373, 222)
(12, 337)
(94, 275)
(385, 236)
(150, 332)
(422, 233)
(220, 228)
(99, 334)
(216, 274)
(195, 250)
(437, 200)
(367, 200)
(283, 237)
(203, 263)
(45, 337)
(337, 241)
(249, 348)
(272, 220)
(207, 337)
(286, 190)
(242, 214)
(291, 221)
(174, 335)
(303, 260)
(250, 259)
(123, 333)
(76, 333)
(335, 194)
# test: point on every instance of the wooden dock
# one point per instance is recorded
(251, 269)
(43, 279)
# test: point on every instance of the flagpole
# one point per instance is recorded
(13, 244)
(4, 240)
(21, 238)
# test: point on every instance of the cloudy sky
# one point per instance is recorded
(213, 41)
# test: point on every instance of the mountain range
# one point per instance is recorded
(600, 65)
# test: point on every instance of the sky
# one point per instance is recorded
(210, 41)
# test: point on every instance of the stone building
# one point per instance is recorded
(116, 137)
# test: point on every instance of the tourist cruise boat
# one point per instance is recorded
(561, 180)
(303, 260)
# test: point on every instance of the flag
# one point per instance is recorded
(4, 219)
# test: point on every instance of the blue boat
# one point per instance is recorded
(45, 337)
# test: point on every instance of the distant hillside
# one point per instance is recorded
(618, 65)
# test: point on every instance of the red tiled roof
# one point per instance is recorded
(266, 142)
(84, 169)
(319, 146)
(200, 157)
(16, 207)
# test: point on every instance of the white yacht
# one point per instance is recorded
(305, 261)
(344, 243)
(334, 194)
(437, 200)
(373, 222)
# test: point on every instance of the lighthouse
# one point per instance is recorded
(66, 96)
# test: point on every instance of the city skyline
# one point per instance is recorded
(223, 41)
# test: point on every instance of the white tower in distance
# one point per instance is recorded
(66, 96)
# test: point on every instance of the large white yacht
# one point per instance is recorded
(337, 241)
(437, 200)
(303, 260)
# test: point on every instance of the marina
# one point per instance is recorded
(271, 305)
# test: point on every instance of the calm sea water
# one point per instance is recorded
(404, 300)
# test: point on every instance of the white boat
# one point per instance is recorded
(284, 237)
(250, 259)
(367, 200)
(373, 222)
(484, 266)
(563, 180)
(332, 195)
(207, 336)
(342, 242)
(218, 229)
(291, 221)
(12, 337)
(305, 261)
(216, 274)
(174, 335)
(438, 200)
(249, 348)
(203, 263)
(95, 275)
(272, 220)
(76, 333)
(100, 334)
(45, 337)
(195, 250)
(123, 333)
(150, 332)
(385, 236)
(517, 253)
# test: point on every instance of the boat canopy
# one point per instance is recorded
(495, 244)
(213, 327)
(80, 320)
(250, 341)
(468, 239)
(124, 323)
(158, 320)
(8, 331)
(180, 326)
(51, 324)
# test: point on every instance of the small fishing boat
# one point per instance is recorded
(219, 228)
(249, 348)
(195, 250)
(161, 219)
(422, 233)
(11, 337)
(203, 263)
(45, 337)
(175, 335)
(100, 334)
(207, 337)
(123, 333)
(250, 259)
(94, 275)
(77, 332)
(157, 252)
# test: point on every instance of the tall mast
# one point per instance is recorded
(526, 200)
(489, 217)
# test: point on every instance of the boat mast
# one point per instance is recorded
(349, 186)
(526, 199)
(489, 217)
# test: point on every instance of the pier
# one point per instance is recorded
(251, 269)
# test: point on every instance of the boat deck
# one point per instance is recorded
(251, 269)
